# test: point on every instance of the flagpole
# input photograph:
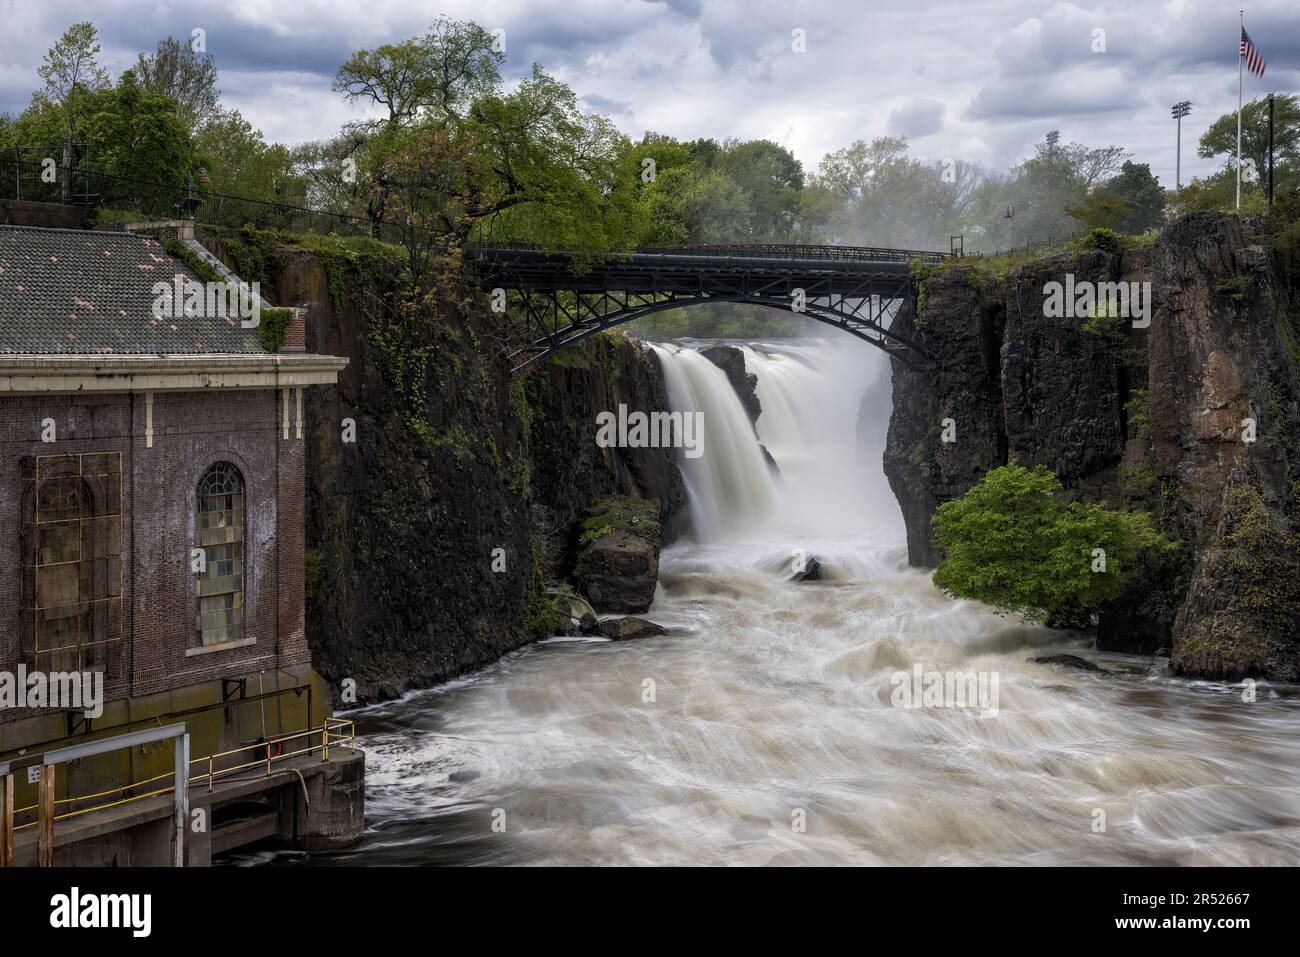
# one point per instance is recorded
(1241, 29)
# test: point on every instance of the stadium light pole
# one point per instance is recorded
(1179, 111)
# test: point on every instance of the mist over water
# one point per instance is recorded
(772, 699)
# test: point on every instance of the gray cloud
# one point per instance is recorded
(917, 118)
(980, 80)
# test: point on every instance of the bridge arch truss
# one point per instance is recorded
(855, 290)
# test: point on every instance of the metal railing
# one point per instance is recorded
(337, 731)
(23, 180)
(800, 251)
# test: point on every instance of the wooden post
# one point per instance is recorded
(45, 818)
(7, 821)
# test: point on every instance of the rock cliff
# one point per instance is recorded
(433, 533)
(1194, 417)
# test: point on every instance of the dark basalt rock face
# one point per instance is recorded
(732, 361)
(961, 326)
(432, 537)
(1149, 419)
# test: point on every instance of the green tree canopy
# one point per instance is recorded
(439, 73)
(71, 73)
(1012, 543)
(1221, 140)
(1101, 209)
(178, 71)
(1141, 193)
(241, 163)
(134, 132)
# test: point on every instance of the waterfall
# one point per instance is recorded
(812, 393)
(729, 484)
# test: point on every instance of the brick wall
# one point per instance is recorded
(191, 430)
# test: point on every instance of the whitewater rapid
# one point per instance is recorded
(760, 729)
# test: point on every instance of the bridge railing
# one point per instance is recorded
(800, 251)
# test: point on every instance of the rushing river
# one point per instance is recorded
(761, 730)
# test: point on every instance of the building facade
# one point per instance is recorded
(151, 483)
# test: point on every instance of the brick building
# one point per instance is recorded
(151, 483)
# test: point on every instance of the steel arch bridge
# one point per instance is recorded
(848, 287)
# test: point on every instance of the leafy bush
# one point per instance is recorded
(312, 560)
(1138, 408)
(1012, 543)
(272, 325)
(1100, 238)
(1100, 210)
(1238, 287)
(1105, 322)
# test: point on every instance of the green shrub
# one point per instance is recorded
(1012, 543)
(1238, 287)
(1105, 322)
(311, 573)
(1138, 408)
(1100, 238)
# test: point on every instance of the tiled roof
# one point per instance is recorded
(74, 291)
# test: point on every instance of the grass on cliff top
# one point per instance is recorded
(636, 516)
(997, 267)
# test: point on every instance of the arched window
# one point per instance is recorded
(220, 533)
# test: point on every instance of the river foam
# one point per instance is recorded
(761, 730)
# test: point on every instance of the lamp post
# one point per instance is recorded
(1179, 111)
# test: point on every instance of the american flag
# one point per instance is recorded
(1254, 62)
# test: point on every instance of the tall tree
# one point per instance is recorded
(440, 73)
(240, 162)
(772, 178)
(70, 72)
(177, 70)
(1221, 139)
(1141, 192)
(136, 133)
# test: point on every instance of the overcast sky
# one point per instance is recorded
(979, 80)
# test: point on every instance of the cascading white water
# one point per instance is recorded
(770, 696)
(729, 483)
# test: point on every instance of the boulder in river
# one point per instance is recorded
(618, 565)
(626, 629)
(1067, 661)
(813, 571)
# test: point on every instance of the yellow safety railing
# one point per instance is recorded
(339, 731)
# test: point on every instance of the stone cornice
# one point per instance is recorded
(36, 374)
